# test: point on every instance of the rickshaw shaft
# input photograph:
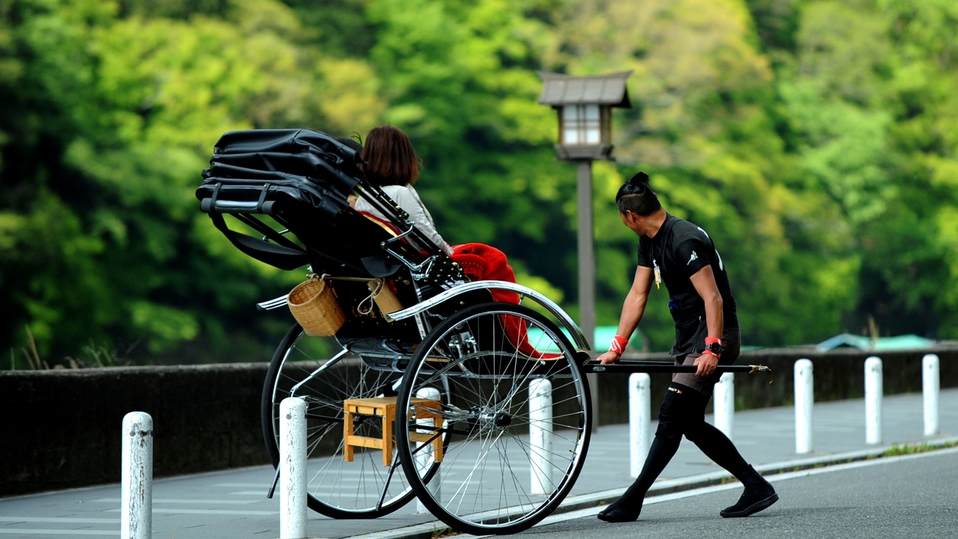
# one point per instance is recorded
(630, 367)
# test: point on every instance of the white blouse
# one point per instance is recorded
(408, 200)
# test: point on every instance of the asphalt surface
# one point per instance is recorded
(908, 496)
(233, 504)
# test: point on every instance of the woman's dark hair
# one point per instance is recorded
(390, 157)
(637, 197)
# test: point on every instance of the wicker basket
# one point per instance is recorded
(384, 297)
(313, 304)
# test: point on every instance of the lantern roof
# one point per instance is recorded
(609, 89)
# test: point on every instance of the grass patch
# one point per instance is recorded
(444, 532)
(912, 449)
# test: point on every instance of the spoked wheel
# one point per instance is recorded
(497, 474)
(364, 487)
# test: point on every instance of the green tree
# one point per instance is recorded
(707, 124)
(106, 243)
(911, 250)
(870, 97)
(460, 78)
(815, 139)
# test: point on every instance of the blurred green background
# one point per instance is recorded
(817, 141)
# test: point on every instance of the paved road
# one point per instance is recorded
(232, 504)
(902, 497)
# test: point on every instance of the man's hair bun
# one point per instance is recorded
(641, 179)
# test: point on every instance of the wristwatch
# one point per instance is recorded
(715, 348)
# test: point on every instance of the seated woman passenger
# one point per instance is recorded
(392, 165)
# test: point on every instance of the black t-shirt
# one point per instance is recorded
(678, 250)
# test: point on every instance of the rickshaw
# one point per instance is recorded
(428, 395)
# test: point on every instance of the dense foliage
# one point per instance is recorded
(815, 140)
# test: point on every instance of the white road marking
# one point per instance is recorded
(177, 511)
(70, 520)
(183, 501)
(22, 532)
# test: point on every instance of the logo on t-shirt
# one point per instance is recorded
(694, 258)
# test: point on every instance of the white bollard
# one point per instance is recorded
(640, 420)
(804, 405)
(930, 387)
(424, 456)
(873, 400)
(136, 519)
(292, 473)
(724, 403)
(540, 435)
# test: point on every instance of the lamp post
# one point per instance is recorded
(584, 105)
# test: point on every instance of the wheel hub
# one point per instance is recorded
(494, 419)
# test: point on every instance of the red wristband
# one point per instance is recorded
(618, 345)
(709, 341)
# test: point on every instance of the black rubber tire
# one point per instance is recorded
(336, 488)
(488, 448)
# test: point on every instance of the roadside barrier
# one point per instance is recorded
(424, 456)
(640, 422)
(540, 436)
(873, 400)
(874, 394)
(930, 387)
(292, 469)
(136, 484)
(804, 404)
(724, 404)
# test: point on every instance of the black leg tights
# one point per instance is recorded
(675, 408)
(758, 494)
(682, 413)
(716, 446)
(628, 507)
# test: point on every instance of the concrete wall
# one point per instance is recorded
(61, 428)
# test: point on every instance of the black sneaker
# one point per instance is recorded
(750, 503)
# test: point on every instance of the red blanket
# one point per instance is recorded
(481, 262)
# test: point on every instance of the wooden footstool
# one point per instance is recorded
(385, 409)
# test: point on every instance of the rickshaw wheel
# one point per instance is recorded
(498, 473)
(363, 488)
